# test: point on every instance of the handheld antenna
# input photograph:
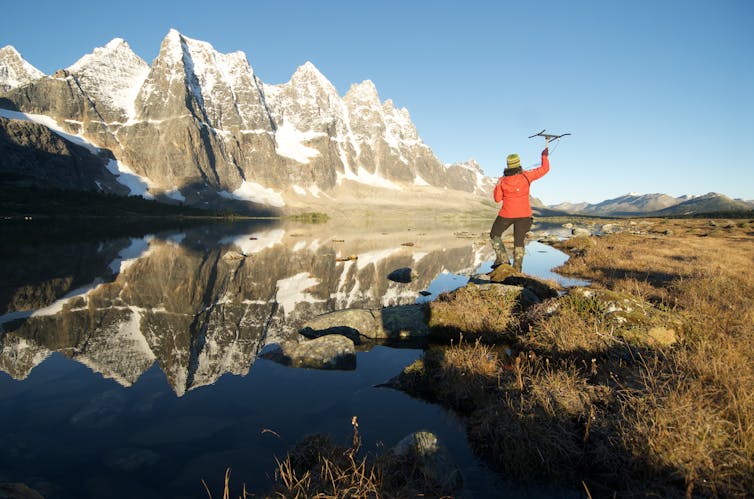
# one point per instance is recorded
(548, 136)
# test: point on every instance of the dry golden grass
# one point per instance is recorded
(597, 400)
(476, 312)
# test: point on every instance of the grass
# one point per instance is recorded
(474, 311)
(642, 384)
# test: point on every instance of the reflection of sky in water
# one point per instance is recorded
(539, 261)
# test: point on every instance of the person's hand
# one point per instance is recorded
(546, 151)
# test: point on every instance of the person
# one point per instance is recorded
(513, 190)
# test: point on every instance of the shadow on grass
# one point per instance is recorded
(538, 416)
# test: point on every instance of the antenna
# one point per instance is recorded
(548, 136)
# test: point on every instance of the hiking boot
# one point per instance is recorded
(501, 256)
(518, 258)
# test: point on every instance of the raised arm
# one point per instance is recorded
(540, 171)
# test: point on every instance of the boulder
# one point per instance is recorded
(429, 462)
(611, 228)
(331, 352)
(580, 231)
(505, 274)
(402, 322)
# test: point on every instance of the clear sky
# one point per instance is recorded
(658, 94)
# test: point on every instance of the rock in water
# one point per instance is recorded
(327, 352)
(407, 321)
(430, 462)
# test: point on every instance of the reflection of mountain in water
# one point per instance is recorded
(181, 301)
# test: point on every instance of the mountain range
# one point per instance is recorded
(200, 128)
(197, 126)
(656, 205)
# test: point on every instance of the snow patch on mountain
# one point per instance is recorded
(418, 180)
(364, 177)
(175, 194)
(290, 143)
(138, 185)
(312, 190)
(256, 193)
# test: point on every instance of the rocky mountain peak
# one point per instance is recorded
(14, 70)
(309, 84)
(112, 75)
(308, 74)
(470, 164)
(364, 93)
(171, 48)
(308, 100)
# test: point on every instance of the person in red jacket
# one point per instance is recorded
(513, 190)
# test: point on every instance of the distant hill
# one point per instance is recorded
(656, 204)
(708, 203)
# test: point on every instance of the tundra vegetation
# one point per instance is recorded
(640, 384)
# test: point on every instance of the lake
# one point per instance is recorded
(130, 356)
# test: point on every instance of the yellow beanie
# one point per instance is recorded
(513, 161)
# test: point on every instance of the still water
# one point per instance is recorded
(130, 361)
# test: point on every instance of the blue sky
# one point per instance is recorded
(659, 95)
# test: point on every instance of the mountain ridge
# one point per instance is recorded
(655, 204)
(199, 127)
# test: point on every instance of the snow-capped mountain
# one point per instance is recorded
(14, 70)
(198, 126)
(111, 76)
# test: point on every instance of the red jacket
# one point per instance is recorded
(513, 191)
